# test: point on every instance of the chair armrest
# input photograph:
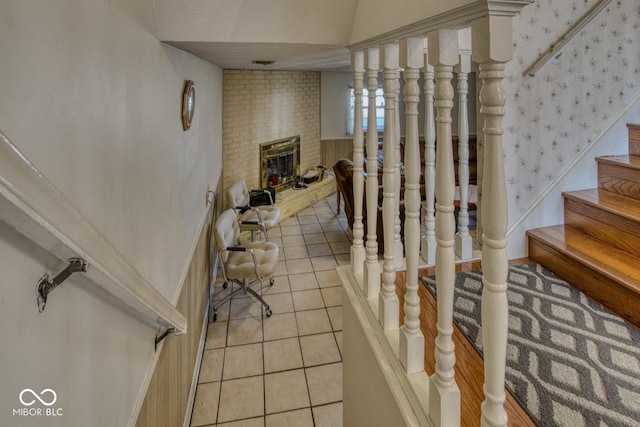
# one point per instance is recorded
(243, 209)
(269, 194)
(263, 191)
(243, 249)
(270, 198)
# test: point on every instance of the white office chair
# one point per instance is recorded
(252, 218)
(243, 264)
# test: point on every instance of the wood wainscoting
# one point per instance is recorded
(169, 398)
(332, 150)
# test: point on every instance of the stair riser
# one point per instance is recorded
(620, 232)
(619, 179)
(634, 140)
(618, 299)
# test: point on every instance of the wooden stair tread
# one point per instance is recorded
(605, 259)
(611, 202)
(625, 160)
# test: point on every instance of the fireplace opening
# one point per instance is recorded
(280, 162)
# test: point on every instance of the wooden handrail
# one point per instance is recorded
(565, 38)
(31, 205)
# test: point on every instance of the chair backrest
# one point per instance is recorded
(227, 231)
(238, 195)
(344, 178)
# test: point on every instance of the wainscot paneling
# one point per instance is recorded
(332, 150)
(167, 401)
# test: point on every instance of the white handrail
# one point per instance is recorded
(30, 204)
(564, 38)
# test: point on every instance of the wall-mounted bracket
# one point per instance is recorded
(210, 196)
(45, 286)
(163, 335)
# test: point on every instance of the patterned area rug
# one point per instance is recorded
(570, 361)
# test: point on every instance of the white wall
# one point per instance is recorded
(555, 116)
(282, 21)
(334, 103)
(93, 100)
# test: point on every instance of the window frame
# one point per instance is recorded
(365, 110)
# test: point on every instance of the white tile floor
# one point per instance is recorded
(283, 370)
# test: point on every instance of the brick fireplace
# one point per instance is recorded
(264, 106)
(280, 163)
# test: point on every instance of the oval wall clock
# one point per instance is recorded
(188, 104)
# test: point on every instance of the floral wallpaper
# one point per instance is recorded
(552, 117)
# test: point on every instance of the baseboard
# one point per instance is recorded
(196, 370)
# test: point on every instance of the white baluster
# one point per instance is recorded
(464, 245)
(411, 338)
(372, 268)
(444, 394)
(357, 248)
(397, 239)
(491, 53)
(479, 167)
(429, 224)
(389, 306)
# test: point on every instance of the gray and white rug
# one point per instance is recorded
(570, 361)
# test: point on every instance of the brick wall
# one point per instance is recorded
(261, 106)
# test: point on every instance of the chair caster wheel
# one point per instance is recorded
(268, 312)
(271, 281)
(215, 316)
(224, 285)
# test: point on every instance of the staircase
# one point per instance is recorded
(597, 249)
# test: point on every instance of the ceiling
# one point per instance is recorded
(296, 34)
(287, 56)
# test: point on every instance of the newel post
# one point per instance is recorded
(492, 48)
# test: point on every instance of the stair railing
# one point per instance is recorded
(31, 205)
(371, 298)
(555, 48)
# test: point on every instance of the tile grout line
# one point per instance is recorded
(335, 258)
(264, 373)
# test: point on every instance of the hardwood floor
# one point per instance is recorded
(469, 365)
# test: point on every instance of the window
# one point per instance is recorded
(365, 110)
